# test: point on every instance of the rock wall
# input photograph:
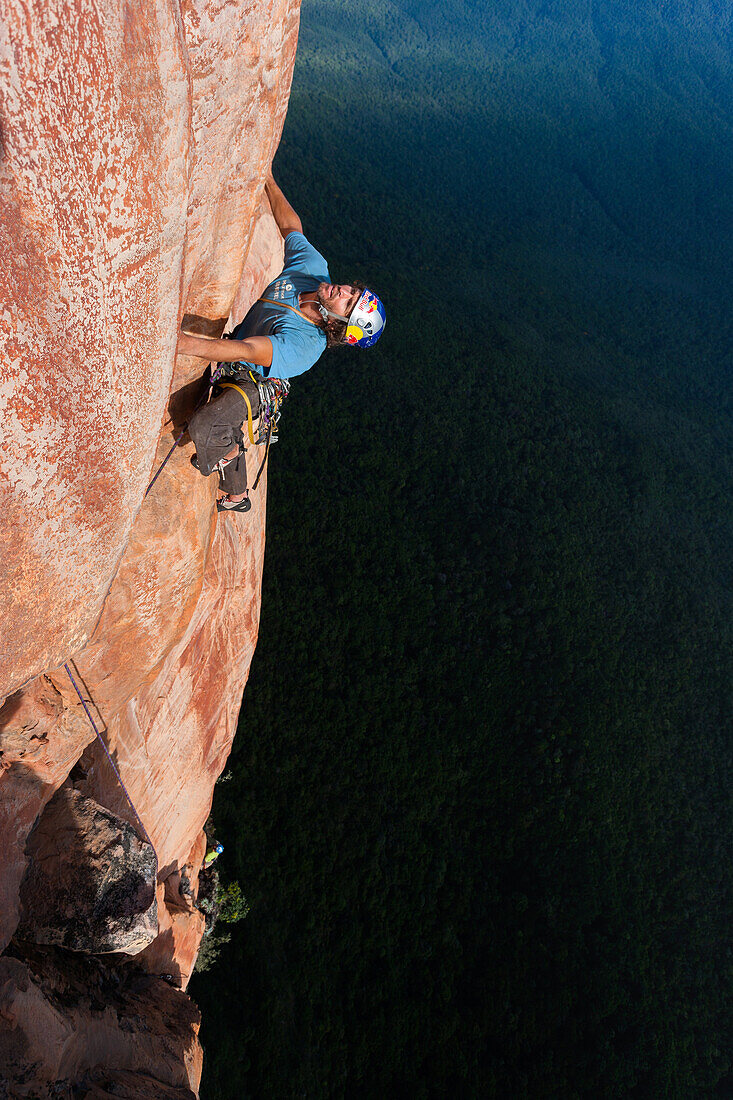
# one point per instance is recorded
(135, 144)
(74, 1025)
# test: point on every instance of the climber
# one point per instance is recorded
(299, 315)
(212, 854)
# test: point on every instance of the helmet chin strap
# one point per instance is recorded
(326, 313)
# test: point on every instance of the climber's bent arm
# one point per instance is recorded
(256, 349)
(283, 213)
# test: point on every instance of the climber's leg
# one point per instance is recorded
(233, 479)
(216, 430)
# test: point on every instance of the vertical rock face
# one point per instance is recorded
(96, 131)
(135, 143)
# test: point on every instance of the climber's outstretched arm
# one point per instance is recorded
(257, 349)
(283, 213)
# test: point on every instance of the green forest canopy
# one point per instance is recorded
(480, 800)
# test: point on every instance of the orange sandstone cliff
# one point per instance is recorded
(135, 140)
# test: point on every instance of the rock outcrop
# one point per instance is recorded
(135, 143)
(90, 880)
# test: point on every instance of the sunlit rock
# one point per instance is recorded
(136, 141)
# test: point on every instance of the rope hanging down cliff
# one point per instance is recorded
(107, 754)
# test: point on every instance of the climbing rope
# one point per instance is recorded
(114, 769)
(159, 471)
(179, 437)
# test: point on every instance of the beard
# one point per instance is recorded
(323, 300)
(333, 322)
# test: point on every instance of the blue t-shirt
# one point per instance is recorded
(296, 342)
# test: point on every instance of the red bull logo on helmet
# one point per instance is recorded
(366, 321)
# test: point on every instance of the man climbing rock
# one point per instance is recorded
(212, 853)
(299, 315)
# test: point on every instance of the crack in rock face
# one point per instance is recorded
(90, 880)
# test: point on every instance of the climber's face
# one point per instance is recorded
(339, 298)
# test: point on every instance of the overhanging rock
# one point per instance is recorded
(90, 881)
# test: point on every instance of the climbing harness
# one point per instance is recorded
(107, 753)
(271, 394)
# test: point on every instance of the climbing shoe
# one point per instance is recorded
(241, 506)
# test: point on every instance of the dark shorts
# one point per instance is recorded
(217, 428)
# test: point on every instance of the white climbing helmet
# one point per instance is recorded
(365, 324)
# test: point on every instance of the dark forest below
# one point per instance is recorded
(480, 804)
